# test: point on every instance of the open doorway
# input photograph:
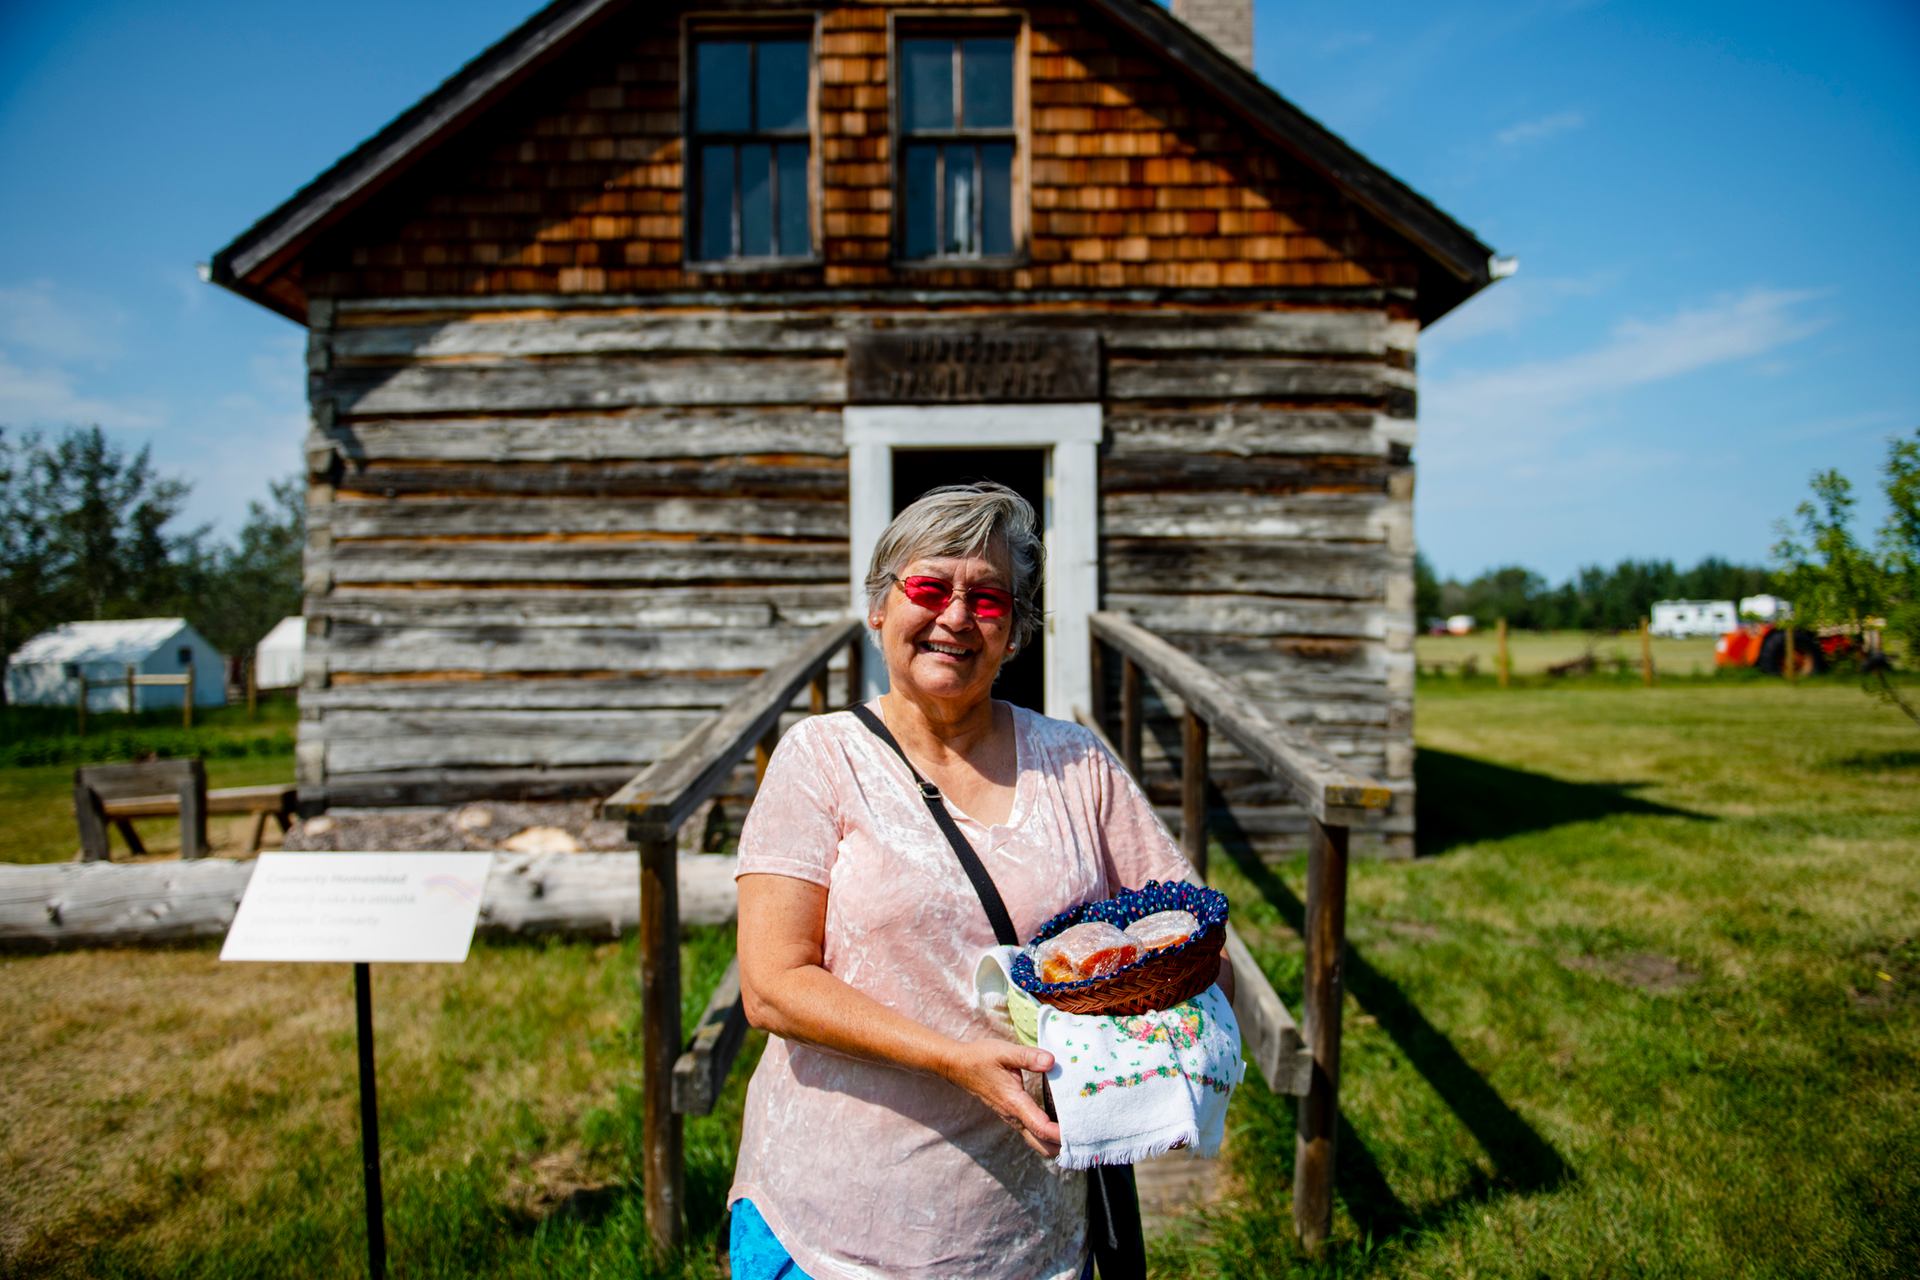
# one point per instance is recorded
(1023, 679)
(1048, 451)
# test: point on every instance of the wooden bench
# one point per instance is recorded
(118, 794)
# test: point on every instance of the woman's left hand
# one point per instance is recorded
(990, 1071)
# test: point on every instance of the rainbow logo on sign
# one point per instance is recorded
(453, 887)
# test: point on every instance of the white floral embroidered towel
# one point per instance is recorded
(1129, 1088)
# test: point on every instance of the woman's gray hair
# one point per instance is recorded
(966, 520)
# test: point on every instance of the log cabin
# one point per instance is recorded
(627, 340)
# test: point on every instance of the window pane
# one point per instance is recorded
(720, 80)
(926, 84)
(986, 75)
(996, 198)
(795, 232)
(756, 200)
(716, 203)
(780, 83)
(923, 201)
(963, 196)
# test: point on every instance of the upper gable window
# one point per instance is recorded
(751, 148)
(955, 106)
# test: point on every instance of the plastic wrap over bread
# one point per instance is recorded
(1163, 929)
(1091, 950)
(1177, 968)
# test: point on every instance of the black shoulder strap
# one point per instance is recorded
(990, 899)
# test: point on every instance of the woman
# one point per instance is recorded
(887, 1129)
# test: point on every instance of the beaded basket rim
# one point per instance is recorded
(1208, 905)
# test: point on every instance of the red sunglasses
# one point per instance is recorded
(933, 594)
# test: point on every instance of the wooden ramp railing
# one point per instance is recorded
(684, 1080)
(1304, 1063)
(655, 804)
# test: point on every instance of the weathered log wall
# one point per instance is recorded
(568, 492)
(547, 597)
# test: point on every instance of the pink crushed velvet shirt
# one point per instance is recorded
(870, 1170)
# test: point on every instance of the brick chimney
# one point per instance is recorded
(1228, 23)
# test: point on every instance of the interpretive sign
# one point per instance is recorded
(363, 908)
(965, 366)
(360, 907)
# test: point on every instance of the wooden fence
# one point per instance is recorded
(133, 681)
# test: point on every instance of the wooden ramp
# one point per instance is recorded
(1174, 1185)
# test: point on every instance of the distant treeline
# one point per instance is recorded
(1594, 599)
(84, 535)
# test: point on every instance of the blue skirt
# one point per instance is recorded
(756, 1254)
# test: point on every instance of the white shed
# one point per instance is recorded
(279, 659)
(45, 670)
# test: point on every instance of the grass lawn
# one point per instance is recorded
(36, 813)
(36, 801)
(1532, 652)
(1650, 1006)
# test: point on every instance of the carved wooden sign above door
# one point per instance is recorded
(970, 367)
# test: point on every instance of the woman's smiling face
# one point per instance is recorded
(949, 655)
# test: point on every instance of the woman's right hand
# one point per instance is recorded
(990, 1071)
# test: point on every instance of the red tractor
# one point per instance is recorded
(1763, 646)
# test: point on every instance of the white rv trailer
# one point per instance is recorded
(1682, 618)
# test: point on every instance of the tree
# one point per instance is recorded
(1836, 581)
(1900, 542)
(89, 531)
(26, 561)
(259, 574)
(106, 516)
(1426, 592)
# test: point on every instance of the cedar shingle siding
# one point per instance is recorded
(1135, 183)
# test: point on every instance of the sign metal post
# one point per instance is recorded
(361, 908)
(369, 1123)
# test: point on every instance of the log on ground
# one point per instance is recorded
(58, 906)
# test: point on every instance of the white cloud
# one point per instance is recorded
(244, 438)
(1507, 305)
(1541, 128)
(1638, 352)
(47, 320)
(1874, 422)
(1488, 436)
(54, 343)
(45, 396)
(63, 364)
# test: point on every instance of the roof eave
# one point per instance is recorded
(1462, 260)
(266, 247)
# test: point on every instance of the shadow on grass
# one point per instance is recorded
(1874, 761)
(1463, 799)
(1523, 1161)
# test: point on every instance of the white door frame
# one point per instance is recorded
(1070, 435)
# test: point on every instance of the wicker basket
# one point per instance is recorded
(1163, 979)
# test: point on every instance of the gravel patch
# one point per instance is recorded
(466, 828)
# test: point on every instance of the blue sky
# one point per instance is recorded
(1708, 203)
